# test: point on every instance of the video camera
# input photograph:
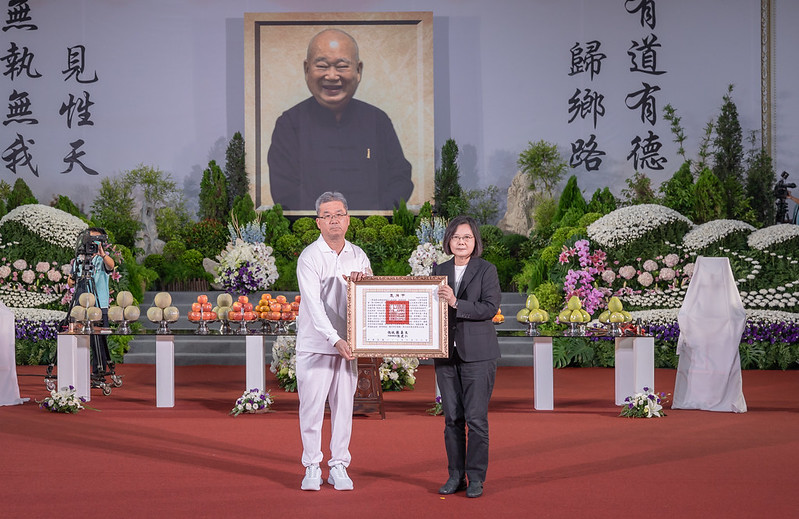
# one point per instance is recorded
(781, 194)
(88, 244)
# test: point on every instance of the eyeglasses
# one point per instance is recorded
(330, 217)
(465, 237)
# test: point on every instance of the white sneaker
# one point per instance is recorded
(339, 478)
(313, 478)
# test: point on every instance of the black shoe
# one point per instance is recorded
(475, 489)
(452, 485)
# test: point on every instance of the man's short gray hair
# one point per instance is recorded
(331, 196)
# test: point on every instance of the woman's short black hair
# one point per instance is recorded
(452, 227)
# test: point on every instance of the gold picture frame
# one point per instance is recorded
(397, 316)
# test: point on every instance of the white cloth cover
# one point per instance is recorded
(712, 320)
(9, 388)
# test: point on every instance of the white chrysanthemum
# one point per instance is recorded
(38, 314)
(711, 232)
(52, 225)
(630, 223)
(764, 238)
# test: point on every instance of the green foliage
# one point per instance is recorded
(670, 114)
(491, 234)
(237, 182)
(448, 193)
(376, 221)
(550, 296)
(532, 274)
(288, 245)
(68, 206)
(752, 355)
(544, 214)
(572, 217)
(392, 234)
(572, 349)
(275, 224)
(287, 265)
(113, 209)
(20, 194)
(35, 353)
(543, 165)
(483, 204)
(302, 225)
(171, 220)
(118, 346)
(560, 236)
(404, 218)
(173, 249)
(602, 202)
(393, 267)
(366, 235)
(154, 262)
(728, 154)
(708, 198)
(515, 243)
(310, 236)
(507, 266)
(425, 212)
(587, 219)
(760, 179)
(639, 190)
(243, 209)
(571, 197)
(549, 256)
(3, 210)
(678, 191)
(207, 236)
(31, 247)
(214, 204)
(136, 278)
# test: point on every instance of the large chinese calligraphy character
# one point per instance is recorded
(646, 8)
(18, 16)
(18, 154)
(646, 152)
(645, 101)
(586, 60)
(18, 62)
(19, 109)
(591, 103)
(79, 106)
(76, 64)
(586, 153)
(643, 56)
(73, 157)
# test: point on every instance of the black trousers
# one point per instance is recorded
(466, 388)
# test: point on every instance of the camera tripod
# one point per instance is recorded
(102, 365)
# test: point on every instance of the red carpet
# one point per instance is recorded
(132, 459)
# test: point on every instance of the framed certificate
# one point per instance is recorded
(397, 316)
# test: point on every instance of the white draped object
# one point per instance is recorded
(9, 388)
(712, 320)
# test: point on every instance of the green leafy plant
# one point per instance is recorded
(448, 193)
(214, 204)
(238, 183)
(543, 165)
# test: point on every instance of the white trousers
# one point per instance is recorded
(320, 378)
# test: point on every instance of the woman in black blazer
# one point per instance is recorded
(466, 378)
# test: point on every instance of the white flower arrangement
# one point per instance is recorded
(38, 314)
(397, 373)
(246, 267)
(643, 405)
(764, 238)
(425, 256)
(253, 401)
(26, 299)
(52, 225)
(63, 401)
(630, 223)
(713, 231)
(284, 362)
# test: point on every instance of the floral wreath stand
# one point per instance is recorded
(369, 391)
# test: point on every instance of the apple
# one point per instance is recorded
(297, 298)
(207, 307)
(248, 316)
(285, 307)
(274, 316)
(276, 307)
(281, 298)
(202, 298)
(247, 307)
(236, 306)
(243, 299)
(196, 307)
(295, 306)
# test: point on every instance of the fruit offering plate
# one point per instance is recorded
(277, 326)
(202, 325)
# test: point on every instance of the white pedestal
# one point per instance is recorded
(74, 364)
(635, 366)
(256, 374)
(543, 368)
(165, 371)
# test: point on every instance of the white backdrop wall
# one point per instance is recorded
(170, 88)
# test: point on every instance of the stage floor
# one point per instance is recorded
(131, 459)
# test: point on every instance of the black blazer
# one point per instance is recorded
(479, 295)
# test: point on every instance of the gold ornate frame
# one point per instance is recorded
(397, 316)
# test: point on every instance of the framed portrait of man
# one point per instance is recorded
(339, 102)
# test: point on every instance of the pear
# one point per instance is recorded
(124, 299)
(617, 317)
(224, 300)
(86, 299)
(604, 317)
(614, 305)
(628, 317)
(545, 316)
(132, 312)
(586, 316)
(155, 314)
(162, 299)
(171, 314)
(574, 303)
(565, 315)
(536, 316)
(522, 315)
(115, 313)
(532, 302)
(576, 316)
